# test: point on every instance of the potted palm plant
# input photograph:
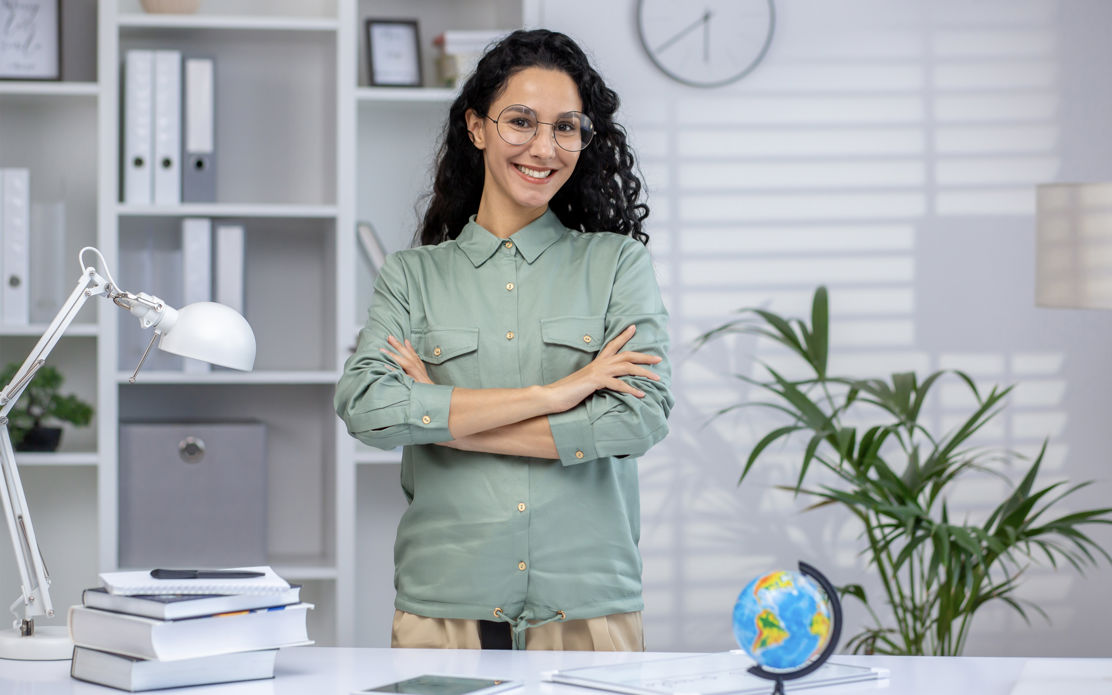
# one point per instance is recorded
(40, 404)
(894, 475)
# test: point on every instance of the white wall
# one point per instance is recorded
(887, 149)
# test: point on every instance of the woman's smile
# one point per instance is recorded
(533, 175)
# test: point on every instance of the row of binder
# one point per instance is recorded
(169, 126)
(15, 245)
(212, 268)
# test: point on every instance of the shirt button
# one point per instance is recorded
(579, 454)
(586, 339)
(520, 506)
(426, 419)
(436, 352)
(509, 244)
(521, 566)
(509, 335)
(509, 285)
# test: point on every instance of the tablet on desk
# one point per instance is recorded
(443, 685)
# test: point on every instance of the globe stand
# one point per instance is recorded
(835, 632)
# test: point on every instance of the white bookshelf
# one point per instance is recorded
(324, 212)
(438, 95)
(59, 458)
(34, 330)
(291, 377)
(50, 89)
(301, 158)
(229, 22)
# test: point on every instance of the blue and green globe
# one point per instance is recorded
(783, 620)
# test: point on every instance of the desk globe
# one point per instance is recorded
(789, 622)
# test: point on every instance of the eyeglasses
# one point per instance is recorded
(518, 124)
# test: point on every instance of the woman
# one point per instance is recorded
(518, 354)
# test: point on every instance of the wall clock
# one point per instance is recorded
(706, 43)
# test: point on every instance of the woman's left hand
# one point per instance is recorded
(406, 358)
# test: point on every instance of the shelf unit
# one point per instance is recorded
(305, 150)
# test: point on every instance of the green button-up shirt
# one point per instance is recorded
(536, 538)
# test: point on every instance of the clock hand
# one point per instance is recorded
(685, 31)
(706, 37)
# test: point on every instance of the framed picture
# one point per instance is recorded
(30, 40)
(393, 53)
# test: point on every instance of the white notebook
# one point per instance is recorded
(140, 582)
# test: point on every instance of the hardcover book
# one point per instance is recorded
(178, 606)
(191, 638)
(135, 675)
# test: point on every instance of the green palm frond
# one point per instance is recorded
(893, 472)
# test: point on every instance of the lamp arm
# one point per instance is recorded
(34, 577)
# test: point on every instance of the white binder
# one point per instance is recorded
(196, 257)
(15, 188)
(198, 160)
(167, 127)
(230, 257)
(2, 319)
(138, 135)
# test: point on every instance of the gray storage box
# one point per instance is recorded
(192, 495)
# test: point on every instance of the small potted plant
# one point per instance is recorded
(40, 403)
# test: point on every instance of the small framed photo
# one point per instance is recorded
(393, 53)
(30, 40)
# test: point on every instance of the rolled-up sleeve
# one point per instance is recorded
(380, 404)
(609, 423)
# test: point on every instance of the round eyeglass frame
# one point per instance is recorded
(590, 131)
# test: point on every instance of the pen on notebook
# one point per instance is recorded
(205, 574)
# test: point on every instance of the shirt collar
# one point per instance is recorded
(531, 240)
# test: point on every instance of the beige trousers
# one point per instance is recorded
(621, 632)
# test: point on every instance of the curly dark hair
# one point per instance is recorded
(603, 193)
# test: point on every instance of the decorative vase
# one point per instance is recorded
(41, 439)
(170, 6)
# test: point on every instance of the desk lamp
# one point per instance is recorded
(205, 330)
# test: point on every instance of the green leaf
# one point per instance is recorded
(855, 590)
(808, 456)
(763, 444)
(809, 413)
(921, 395)
(820, 338)
(783, 332)
(847, 440)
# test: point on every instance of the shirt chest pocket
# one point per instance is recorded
(451, 355)
(570, 343)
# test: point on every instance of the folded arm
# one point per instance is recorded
(614, 406)
(511, 421)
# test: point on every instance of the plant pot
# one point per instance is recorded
(41, 439)
(170, 6)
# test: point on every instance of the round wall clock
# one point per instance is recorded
(706, 43)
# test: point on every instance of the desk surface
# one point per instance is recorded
(313, 670)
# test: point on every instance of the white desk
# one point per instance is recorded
(322, 671)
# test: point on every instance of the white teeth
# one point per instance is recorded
(535, 173)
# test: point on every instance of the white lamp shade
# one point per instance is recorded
(213, 333)
(1074, 246)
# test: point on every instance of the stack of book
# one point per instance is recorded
(137, 633)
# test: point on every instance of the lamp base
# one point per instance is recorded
(49, 643)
